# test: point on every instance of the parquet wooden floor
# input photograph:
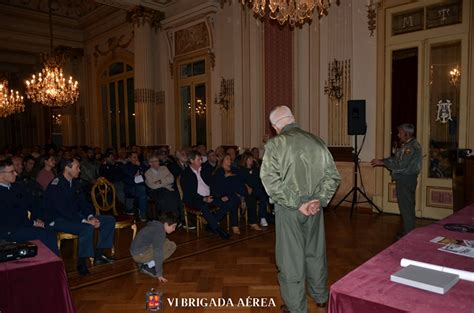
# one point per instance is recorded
(208, 267)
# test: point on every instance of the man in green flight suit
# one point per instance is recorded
(300, 177)
(405, 166)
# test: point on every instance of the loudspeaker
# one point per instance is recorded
(356, 117)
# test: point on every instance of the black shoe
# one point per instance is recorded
(223, 234)
(150, 271)
(284, 309)
(102, 259)
(321, 305)
(82, 270)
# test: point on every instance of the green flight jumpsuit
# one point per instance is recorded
(298, 167)
(405, 166)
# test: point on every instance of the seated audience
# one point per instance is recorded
(209, 167)
(229, 184)
(47, 173)
(160, 181)
(89, 170)
(112, 171)
(66, 210)
(177, 168)
(256, 192)
(134, 185)
(29, 169)
(15, 224)
(256, 155)
(151, 247)
(197, 194)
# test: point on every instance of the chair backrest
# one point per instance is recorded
(103, 196)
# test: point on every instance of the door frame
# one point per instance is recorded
(423, 40)
(192, 81)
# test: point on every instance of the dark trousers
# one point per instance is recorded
(213, 219)
(233, 205)
(251, 201)
(138, 193)
(166, 200)
(86, 233)
(405, 188)
(46, 236)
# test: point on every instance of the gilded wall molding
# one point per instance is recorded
(140, 15)
(190, 39)
(113, 43)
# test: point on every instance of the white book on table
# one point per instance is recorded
(425, 278)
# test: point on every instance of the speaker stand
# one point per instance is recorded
(355, 189)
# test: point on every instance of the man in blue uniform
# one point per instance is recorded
(67, 210)
(15, 225)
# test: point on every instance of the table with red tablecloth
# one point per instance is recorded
(368, 288)
(36, 284)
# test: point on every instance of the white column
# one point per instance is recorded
(145, 22)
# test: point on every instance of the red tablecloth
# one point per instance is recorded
(368, 288)
(37, 284)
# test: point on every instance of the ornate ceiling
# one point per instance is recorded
(73, 9)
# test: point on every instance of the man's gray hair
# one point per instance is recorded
(281, 116)
(408, 128)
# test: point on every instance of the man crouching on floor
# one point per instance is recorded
(151, 247)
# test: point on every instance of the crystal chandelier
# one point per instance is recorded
(50, 87)
(10, 101)
(293, 11)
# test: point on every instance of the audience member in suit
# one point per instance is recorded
(161, 183)
(29, 168)
(67, 210)
(177, 168)
(112, 171)
(209, 167)
(28, 182)
(197, 194)
(234, 156)
(230, 185)
(47, 173)
(89, 170)
(15, 224)
(256, 156)
(256, 192)
(134, 184)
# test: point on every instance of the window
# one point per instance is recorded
(118, 104)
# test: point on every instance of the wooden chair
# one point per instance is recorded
(60, 236)
(103, 198)
(200, 220)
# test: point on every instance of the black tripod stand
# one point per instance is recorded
(355, 189)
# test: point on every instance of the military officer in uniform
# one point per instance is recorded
(405, 166)
(300, 176)
(67, 210)
(15, 222)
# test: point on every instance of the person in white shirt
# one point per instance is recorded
(160, 181)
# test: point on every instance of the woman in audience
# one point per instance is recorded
(47, 173)
(227, 183)
(251, 176)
